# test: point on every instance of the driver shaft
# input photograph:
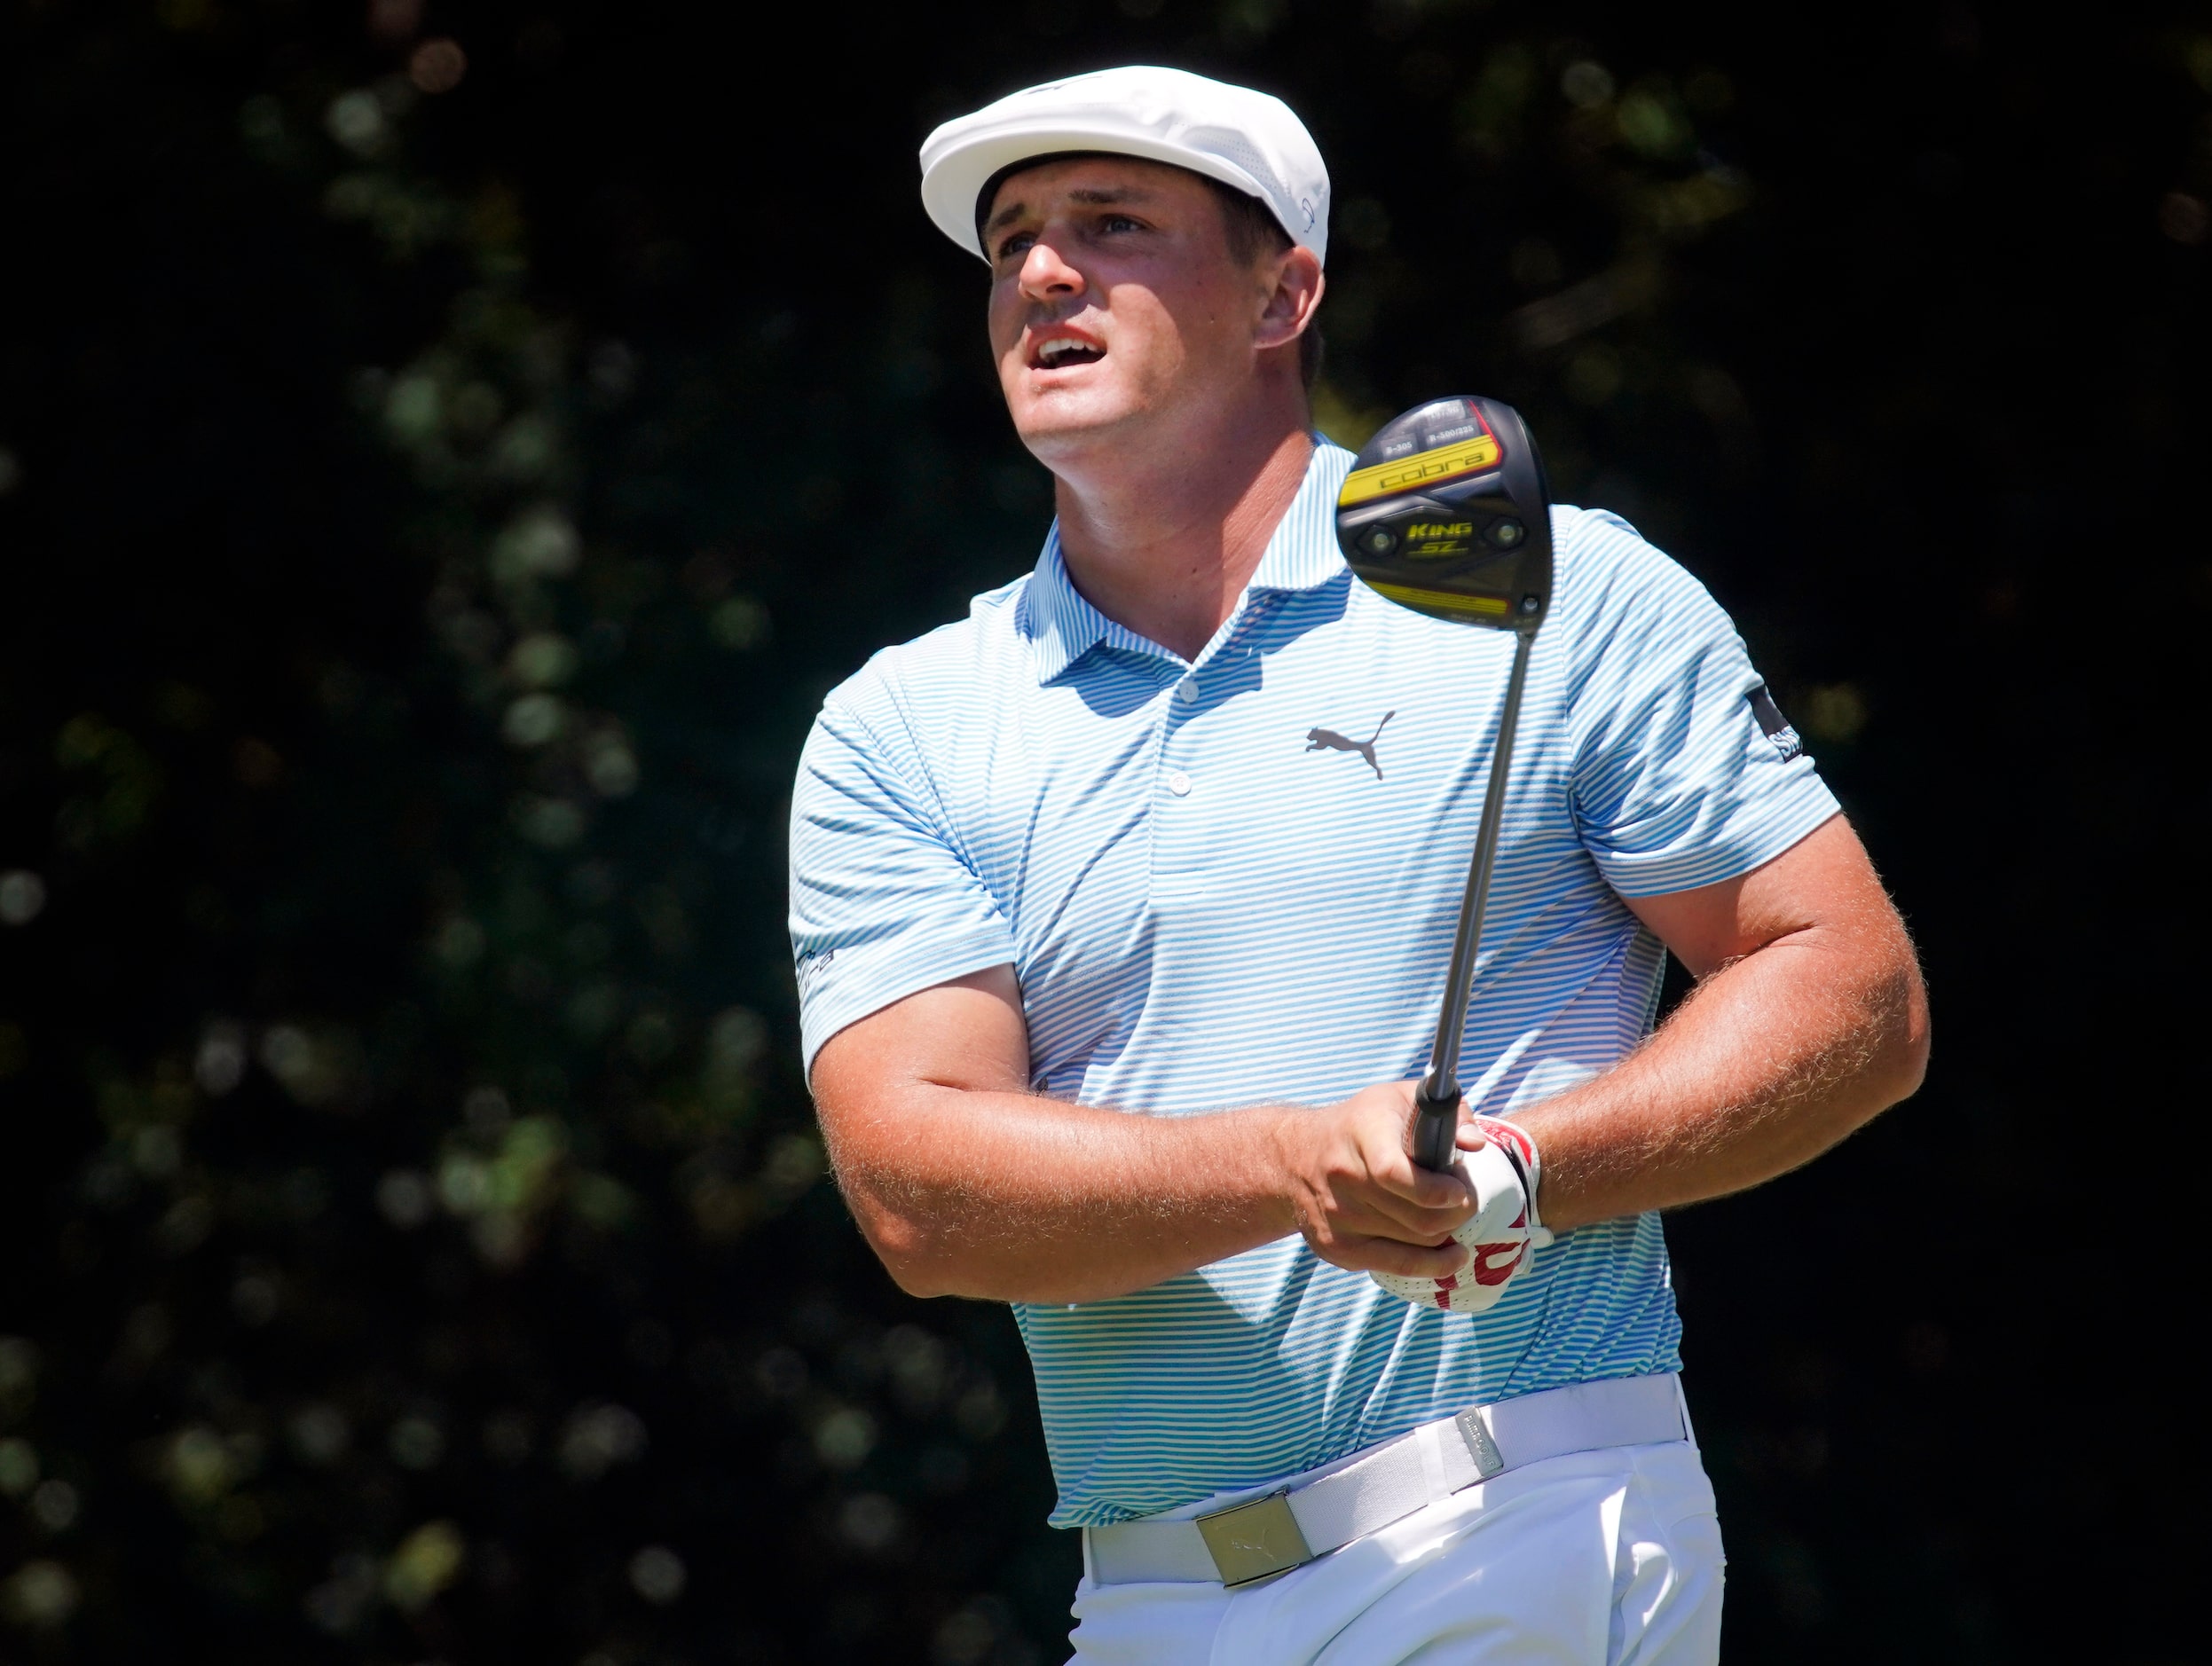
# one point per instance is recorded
(1435, 1129)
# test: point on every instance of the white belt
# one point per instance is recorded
(1259, 1536)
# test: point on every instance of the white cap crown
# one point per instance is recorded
(1244, 138)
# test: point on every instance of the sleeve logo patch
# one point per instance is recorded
(1774, 725)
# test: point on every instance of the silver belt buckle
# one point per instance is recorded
(1256, 1540)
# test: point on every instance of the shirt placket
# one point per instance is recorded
(1181, 849)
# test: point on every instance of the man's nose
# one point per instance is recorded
(1046, 277)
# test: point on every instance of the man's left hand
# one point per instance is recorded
(1501, 1237)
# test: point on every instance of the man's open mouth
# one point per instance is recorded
(1061, 351)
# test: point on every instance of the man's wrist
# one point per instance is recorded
(1289, 1139)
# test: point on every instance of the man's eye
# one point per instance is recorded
(1015, 245)
(1118, 223)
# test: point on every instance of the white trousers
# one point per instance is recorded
(1597, 1559)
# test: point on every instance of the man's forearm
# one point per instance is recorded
(1017, 1197)
(968, 1185)
(1772, 1060)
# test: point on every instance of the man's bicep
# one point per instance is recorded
(967, 1033)
(1822, 881)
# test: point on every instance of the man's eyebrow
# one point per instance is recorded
(1092, 196)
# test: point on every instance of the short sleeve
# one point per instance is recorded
(1684, 772)
(882, 904)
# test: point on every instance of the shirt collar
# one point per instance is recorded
(1303, 554)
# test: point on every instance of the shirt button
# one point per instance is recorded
(1179, 784)
(1186, 691)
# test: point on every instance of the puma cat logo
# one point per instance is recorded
(1329, 740)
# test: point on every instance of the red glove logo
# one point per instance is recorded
(1494, 1263)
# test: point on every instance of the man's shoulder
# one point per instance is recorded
(943, 666)
(1604, 547)
(1608, 572)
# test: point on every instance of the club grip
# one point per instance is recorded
(1436, 1128)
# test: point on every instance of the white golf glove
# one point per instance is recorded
(1502, 1236)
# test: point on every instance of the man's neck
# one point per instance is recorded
(1167, 552)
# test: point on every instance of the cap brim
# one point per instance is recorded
(952, 180)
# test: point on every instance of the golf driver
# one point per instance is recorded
(1445, 512)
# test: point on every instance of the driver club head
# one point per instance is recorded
(1447, 512)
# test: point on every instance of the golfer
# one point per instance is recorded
(1121, 907)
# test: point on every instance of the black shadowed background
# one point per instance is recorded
(447, 452)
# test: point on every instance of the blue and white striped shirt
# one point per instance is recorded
(1207, 907)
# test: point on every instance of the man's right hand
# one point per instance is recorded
(1359, 1199)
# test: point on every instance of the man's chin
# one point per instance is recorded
(1055, 428)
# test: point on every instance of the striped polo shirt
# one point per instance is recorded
(1233, 880)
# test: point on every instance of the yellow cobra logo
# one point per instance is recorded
(1422, 469)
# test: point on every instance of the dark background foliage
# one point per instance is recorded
(444, 456)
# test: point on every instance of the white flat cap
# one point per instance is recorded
(1242, 138)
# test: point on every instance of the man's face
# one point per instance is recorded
(1115, 300)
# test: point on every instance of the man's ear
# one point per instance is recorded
(1294, 286)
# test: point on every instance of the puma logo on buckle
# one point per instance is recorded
(1329, 740)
